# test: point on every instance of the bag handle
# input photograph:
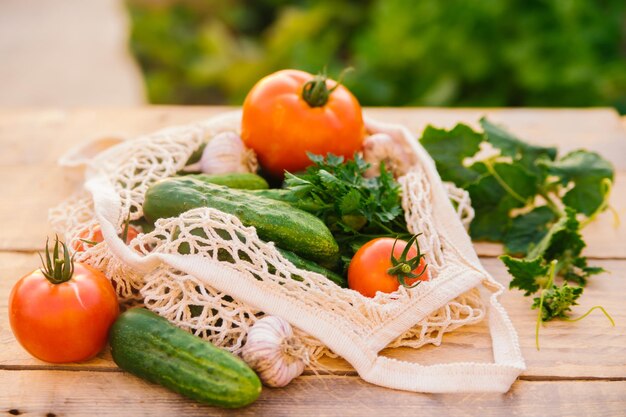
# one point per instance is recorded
(497, 376)
(508, 363)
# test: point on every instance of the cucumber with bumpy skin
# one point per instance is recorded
(290, 228)
(241, 181)
(286, 196)
(148, 346)
(238, 180)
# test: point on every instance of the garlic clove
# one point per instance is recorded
(274, 352)
(382, 148)
(226, 153)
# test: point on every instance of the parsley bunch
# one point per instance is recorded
(356, 209)
(531, 200)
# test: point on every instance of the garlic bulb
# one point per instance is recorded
(274, 352)
(226, 153)
(380, 147)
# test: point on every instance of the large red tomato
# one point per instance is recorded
(371, 268)
(290, 113)
(63, 316)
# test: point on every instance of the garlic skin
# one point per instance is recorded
(225, 153)
(380, 147)
(274, 352)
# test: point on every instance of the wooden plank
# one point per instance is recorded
(104, 394)
(33, 140)
(38, 188)
(37, 136)
(32, 136)
(28, 194)
(590, 348)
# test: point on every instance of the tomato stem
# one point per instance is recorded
(402, 267)
(58, 267)
(316, 93)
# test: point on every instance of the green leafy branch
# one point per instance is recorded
(532, 201)
(556, 302)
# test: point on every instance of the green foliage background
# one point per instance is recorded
(424, 52)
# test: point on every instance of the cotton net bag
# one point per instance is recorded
(220, 300)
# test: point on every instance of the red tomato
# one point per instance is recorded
(290, 113)
(368, 271)
(64, 322)
(96, 237)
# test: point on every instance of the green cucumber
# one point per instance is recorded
(280, 194)
(296, 260)
(275, 221)
(307, 265)
(148, 346)
(239, 180)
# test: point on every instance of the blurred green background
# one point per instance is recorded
(406, 53)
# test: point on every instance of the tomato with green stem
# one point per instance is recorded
(290, 112)
(383, 264)
(62, 312)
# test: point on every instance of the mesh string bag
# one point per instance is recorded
(228, 278)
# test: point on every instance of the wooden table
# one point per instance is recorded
(580, 370)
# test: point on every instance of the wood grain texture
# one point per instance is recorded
(589, 348)
(114, 394)
(33, 140)
(54, 131)
(35, 190)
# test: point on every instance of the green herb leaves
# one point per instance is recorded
(563, 243)
(354, 208)
(527, 273)
(529, 199)
(557, 301)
